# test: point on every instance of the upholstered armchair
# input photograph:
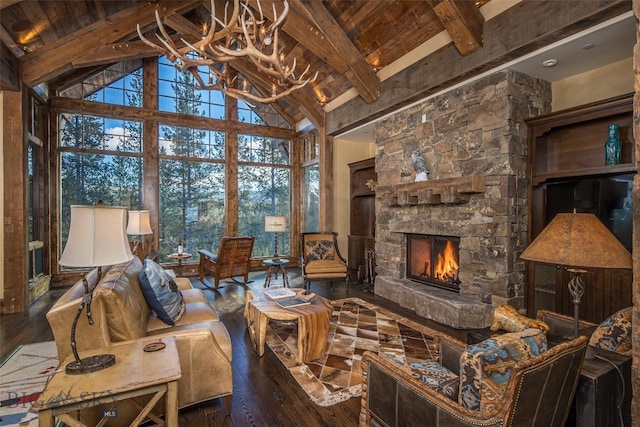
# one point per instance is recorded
(321, 259)
(231, 261)
(513, 379)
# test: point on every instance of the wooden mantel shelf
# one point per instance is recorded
(434, 192)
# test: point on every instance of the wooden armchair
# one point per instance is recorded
(231, 261)
(321, 259)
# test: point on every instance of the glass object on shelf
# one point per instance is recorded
(612, 146)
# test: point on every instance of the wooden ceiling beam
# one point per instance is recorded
(362, 76)
(306, 34)
(112, 53)
(463, 21)
(57, 58)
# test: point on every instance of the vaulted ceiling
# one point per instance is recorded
(365, 51)
(346, 42)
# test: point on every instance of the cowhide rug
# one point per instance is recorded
(356, 326)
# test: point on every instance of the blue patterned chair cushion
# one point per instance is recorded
(614, 334)
(485, 368)
(436, 376)
(161, 292)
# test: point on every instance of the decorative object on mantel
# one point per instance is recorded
(420, 165)
(244, 36)
(613, 146)
(577, 240)
(97, 237)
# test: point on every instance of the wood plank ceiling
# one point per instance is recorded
(346, 41)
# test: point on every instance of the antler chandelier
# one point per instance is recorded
(227, 40)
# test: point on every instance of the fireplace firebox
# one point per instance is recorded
(434, 260)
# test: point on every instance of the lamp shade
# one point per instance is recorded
(275, 223)
(96, 237)
(139, 223)
(578, 240)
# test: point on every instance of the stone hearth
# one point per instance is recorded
(474, 140)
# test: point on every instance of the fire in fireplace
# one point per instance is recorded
(434, 260)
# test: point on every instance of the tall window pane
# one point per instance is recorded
(191, 206)
(311, 201)
(263, 190)
(100, 160)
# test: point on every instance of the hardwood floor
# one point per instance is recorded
(265, 394)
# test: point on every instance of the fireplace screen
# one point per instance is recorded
(434, 260)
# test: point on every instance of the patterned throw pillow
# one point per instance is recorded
(319, 249)
(485, 368)
(614, 334)
(436, 376)
(161, 292)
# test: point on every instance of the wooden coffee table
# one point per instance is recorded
(135, 373)
(313, 322)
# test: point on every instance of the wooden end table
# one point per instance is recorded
(135, 373)
(313, 322)
(180, 257)
(275, 266)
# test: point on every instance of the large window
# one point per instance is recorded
(102, 158)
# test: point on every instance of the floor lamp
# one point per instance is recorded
(275, 224)
(96, 238)
(139, 225)
(576, 241)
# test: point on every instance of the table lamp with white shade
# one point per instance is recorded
(96, 238)
(275, 224)
(139, 225)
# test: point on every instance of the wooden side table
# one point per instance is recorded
(273, 267)
(313, 322)
(180, 257)
(135, 373)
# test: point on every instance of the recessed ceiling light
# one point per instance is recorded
(588, 46)
(549, 62)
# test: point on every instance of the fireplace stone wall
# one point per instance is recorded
(474, 141)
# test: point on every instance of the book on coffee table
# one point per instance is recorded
(293, 302)
(279, 293)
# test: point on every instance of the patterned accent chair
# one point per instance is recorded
(321, 259)
(513, 379)
(231, 261)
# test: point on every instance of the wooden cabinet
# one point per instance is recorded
(567, 171)
(362, 214)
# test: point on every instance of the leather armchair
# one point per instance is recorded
(539, 391)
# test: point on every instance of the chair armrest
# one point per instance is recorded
(207, 254)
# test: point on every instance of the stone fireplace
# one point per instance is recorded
(474, 141)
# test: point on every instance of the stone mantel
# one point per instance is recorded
(433, 192)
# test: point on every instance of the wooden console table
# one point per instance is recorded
(135, 373)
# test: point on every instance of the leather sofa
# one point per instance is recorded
(120, 313)
(533, 389)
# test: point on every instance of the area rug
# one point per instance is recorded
(23, 375)
(356, 326)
